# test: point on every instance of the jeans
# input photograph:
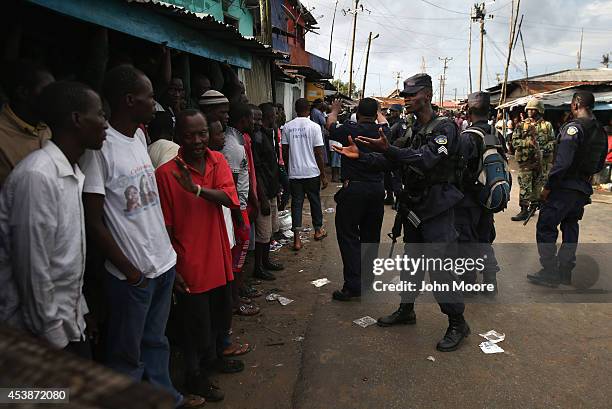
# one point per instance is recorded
(137, 344)
(310, 187)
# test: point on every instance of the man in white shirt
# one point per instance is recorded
(42, 249)
(125, 220)
(303, 150)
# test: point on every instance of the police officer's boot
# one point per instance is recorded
(489, 279)
(545, 277)
(457, 330)
(565, 275)
(404, 315)
(522, 214)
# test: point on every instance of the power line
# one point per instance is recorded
(444, 8)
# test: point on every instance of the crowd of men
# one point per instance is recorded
(169, 198)
(172, 194)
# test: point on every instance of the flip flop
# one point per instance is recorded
(237, 349)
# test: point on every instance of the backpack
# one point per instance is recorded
(493, 172)
(590, 158)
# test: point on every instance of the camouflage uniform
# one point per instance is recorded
(545, 136)
(529, 157)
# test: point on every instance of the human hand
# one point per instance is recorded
(180, 285)
(184, 177)
(351, 151)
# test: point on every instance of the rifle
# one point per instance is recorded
(396, 231)
(532, 211)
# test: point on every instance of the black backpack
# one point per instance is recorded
(591, 155)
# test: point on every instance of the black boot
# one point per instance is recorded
(258, 269)
(565, 275)
(266, 263)
(490, 279)
(545, 278)
(457, 330)
(404, 315)
(522, 214)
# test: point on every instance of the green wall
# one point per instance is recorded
(215, 9)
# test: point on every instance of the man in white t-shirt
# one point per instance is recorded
(125, 221)
(303, 150)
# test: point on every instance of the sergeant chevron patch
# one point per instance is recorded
(442, 149)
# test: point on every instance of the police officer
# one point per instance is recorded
(429, 170)
(474, 223)
(580, 153)
(360, 201)
(534, 143)
(395, 112)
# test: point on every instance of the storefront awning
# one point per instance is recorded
(562, 98)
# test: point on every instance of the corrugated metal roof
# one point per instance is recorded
(582, 75)
(216, 29)
(559, 98)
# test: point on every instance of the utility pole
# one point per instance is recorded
(470, 49)
(520, 35)
(443, 77)
(580, 51)
(398, 76)
(455, 94)
(513, 20)
(440, 91)
(423, 66)
(354, 12)
(480, 16)
(365, 75)
(331, 36)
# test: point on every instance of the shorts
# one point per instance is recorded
(335, 159)
(266, 225)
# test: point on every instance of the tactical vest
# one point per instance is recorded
(590, 156)
(446, 171)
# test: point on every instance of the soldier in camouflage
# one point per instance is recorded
(533, 142)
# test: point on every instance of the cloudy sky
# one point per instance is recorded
(411, 30)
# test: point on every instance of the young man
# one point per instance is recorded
(193, 189)
(215, 106)
(41, 211)
(139, 257)
(235, 152)
(268, 183)
(21, 131)
(303, 152)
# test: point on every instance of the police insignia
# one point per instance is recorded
(441, 140)
(442, 150)
(572, 130)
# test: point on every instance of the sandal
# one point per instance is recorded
(236, 349)
(245, 300)
(320, 235)
(192, 401)
(247, 310)
(250, 292)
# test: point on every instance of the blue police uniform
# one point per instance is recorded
(569, 193)
(474, 223)
(359, 208)
(433, 206)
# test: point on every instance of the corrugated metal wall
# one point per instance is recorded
(258, 81)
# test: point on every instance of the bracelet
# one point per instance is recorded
(199, 190)
(140, 281)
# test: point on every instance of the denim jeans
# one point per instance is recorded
(137, 344)
(310, 187)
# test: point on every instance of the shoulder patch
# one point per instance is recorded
(572, 130)
(441, 140)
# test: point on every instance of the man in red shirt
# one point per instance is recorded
(192, 189)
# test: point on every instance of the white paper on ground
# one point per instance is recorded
(272, 297)
(493, 336)
(284, 301)
(320, 282)
(365, 322)
(490, 348)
